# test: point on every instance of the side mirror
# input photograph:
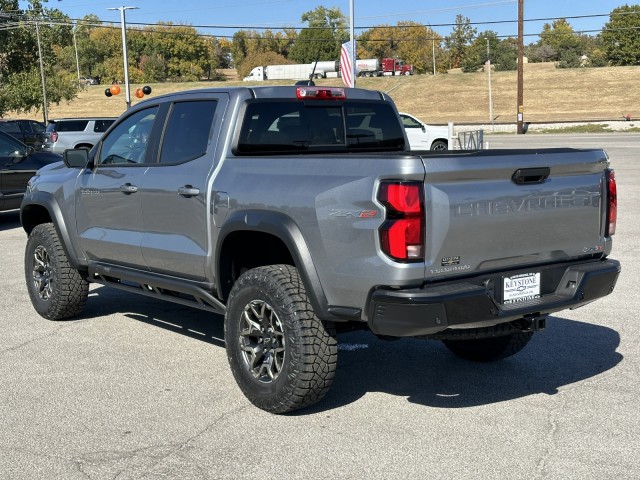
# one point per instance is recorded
(76, 157)
(423, 128)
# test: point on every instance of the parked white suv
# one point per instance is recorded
(422, 136)
(66, 133)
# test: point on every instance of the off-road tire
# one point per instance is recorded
(489, 349)
(282, 356)
(56, 289)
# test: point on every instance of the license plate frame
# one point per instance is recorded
(521, 287)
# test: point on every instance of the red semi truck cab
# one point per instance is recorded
(394, 66)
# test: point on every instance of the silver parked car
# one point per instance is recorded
(66, 133)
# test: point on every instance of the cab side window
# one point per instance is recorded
(127, 143)
(188, 131)
(409, 122)
(7, 148)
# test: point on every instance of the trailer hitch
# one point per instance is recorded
(530, 323)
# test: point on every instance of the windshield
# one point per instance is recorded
(295, 126)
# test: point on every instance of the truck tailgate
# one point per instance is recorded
(494, 210)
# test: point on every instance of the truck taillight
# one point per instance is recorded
(612, 212)
(54, 137)
(321, 93)
(402, 234)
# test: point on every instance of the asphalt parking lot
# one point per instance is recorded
(137, 388)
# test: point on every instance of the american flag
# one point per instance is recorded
(346, 67)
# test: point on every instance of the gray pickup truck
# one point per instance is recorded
(297, 212)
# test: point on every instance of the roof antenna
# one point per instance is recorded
(310, 82)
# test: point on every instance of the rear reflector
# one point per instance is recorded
(612, 213)
(321, 93)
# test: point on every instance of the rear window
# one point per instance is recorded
(68, 126)
(297, 126)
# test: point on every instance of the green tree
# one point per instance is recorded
(20, 79)
(560, 37)
(90, 54)
(459, 40)
(620, 36)
(240, 45)
(185, 53)
(324, 37)
(502, 53)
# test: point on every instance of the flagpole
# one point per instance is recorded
(353, 43)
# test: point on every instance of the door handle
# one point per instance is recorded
(530, 176)
(128, 188)
(188, 191)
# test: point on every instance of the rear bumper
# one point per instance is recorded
(476, 302)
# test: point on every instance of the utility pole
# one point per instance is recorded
(520, 67)
(45, 110)
(354, 54)
(490, 93)
(123, 24)
(75, 47)
(433, 50)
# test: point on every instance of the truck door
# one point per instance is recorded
(175, 196)
(108, 210)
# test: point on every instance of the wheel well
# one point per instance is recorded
(33, 215)
(244, 250)
(88, 146)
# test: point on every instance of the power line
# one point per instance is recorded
(259, 27)
(114, 25)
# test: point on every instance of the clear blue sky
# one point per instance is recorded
(278, 13)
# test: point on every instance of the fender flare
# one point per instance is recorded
(47, 201)
(283, 227)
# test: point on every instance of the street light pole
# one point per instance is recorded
(123, 24)
(490, 94)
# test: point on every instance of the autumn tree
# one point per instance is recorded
(409, 41)
(377, 42)
(418, 46)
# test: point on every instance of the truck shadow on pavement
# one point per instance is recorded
(427, 373)
(9, 220)
(187, 321)
(423, 371)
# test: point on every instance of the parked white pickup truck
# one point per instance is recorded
(422, 136)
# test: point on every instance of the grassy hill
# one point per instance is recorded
(550, 94)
